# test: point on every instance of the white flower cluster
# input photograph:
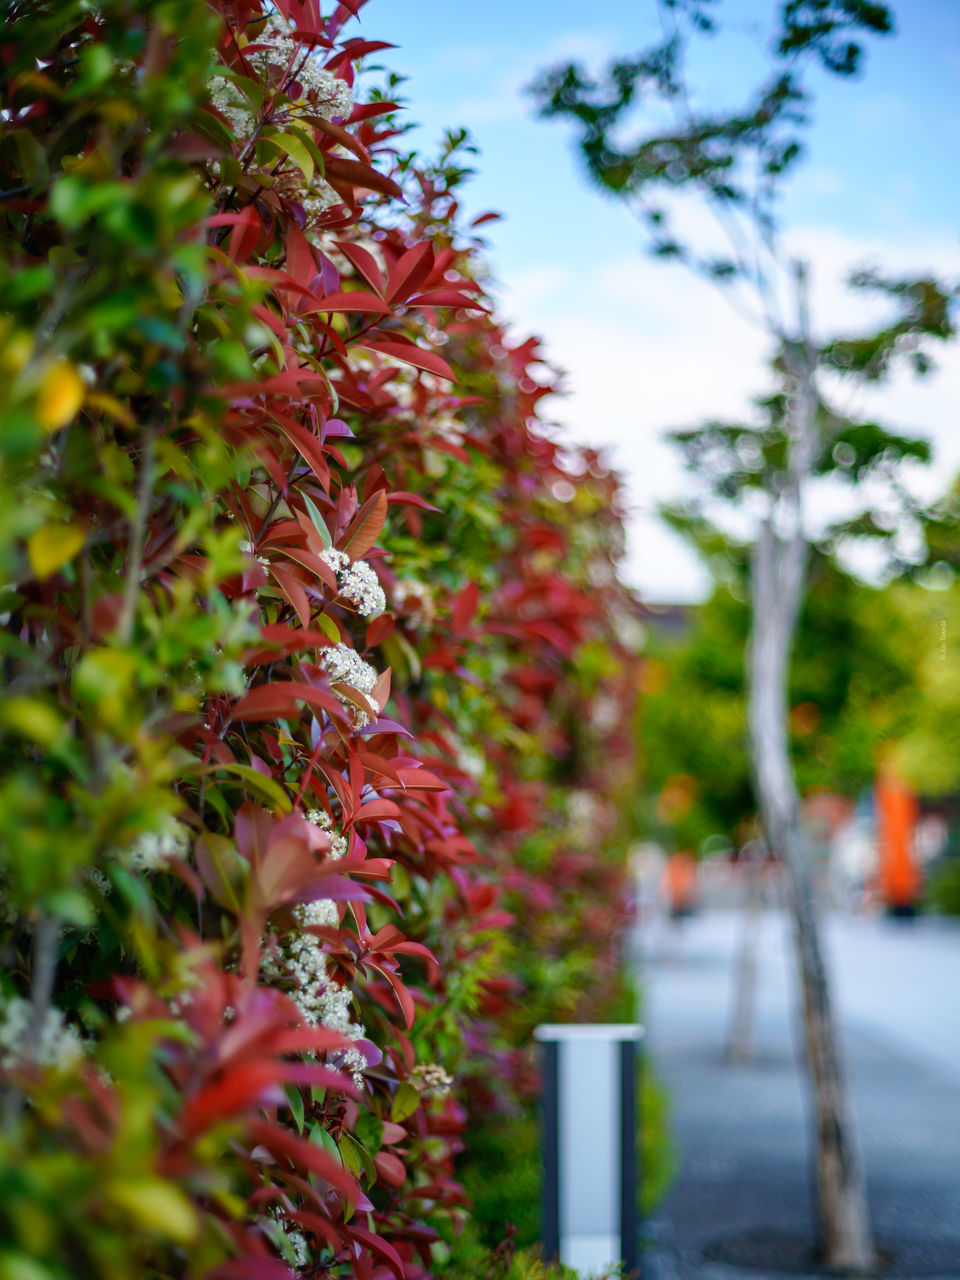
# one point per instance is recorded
(329, 96)
(335, 559)
(431, 1079)
(301, 958)
(294, 1241)
(298, 1243)
(237, 110)
(345, 666)
(249, 549)
(471, 762)
(95, 877)
(59, 1045)
(402, 392)
(338, 844)
(448, 428)
(152, 850)
(411, 595)
(358, 583)
(322, 93)
(319, 199)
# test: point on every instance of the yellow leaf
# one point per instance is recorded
(329, 628)
(60, 396)
(267, 788)
(18, 1266)
(158, 1206)
(17, 350)
(296, 150)
(112, 406)
(405, 1101)
(32, 719)
(52, 545)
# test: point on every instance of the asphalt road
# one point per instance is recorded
(740, 1205)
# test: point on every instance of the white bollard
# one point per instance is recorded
(589, 1145)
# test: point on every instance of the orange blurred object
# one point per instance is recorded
(679, 883)
(899, 875)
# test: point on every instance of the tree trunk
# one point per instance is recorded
(778, 579)
(740, 1039)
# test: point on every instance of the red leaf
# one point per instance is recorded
(282, 279)
(341, 135)
(245, 234)
(294, 592)
(279, 700)
(364, 263)
(303, 1154)
(365, 527)
(447, 298)
(352, 300)
(314, 564)
(410, 353)
(339, 169)
(376, 1244)
(267, 702)
(376, 811)
(319, 1226)
(466, 606)
(367, 110)
(359, 48)
(304, 1039)
(379, 629)
(380, 693)
(410, 271)
(228, 1095)
(292, 639)
(390, 1168)
(400, 497)
(421, 780)
(300, 260)
(306, 444)
(404, 998)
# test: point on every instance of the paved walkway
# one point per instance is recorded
(741, 1206)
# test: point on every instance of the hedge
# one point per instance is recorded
(318, 679)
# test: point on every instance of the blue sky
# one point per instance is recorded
(880, 183)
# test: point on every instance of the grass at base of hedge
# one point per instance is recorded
(943, 888)
(502, 1173)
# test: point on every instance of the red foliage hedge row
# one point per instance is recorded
(318, 678)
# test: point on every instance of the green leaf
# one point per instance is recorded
(323, 1138)
(318, 520)
(369, 1130)
(32, 719)
(292, 146)
(326, 624)
(266, 788)
(31, 158)
(356, 1158)
(405, 1102)
(315, 153)
(295, 1098)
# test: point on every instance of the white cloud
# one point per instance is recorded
(504, 97)
(647, 347)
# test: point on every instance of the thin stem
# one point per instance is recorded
(277, 498)
(46, 936)
(138, 531)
